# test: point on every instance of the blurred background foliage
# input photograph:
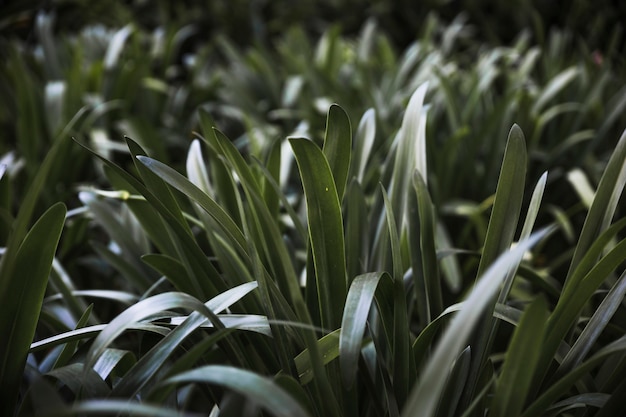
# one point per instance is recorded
(244, 21)
(263, 70)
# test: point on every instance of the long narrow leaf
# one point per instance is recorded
(24, 287)
(256, 388)
(325, 230)
(500, 233)
(338, 146)
(604, 204)
(356, 310)
(520, 361)
(425, 394)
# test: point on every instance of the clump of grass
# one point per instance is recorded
(320, 297)
(298, 262)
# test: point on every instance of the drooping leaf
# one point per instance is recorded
(262, 391)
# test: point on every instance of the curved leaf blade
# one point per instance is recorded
(356, 310)
(262, 391)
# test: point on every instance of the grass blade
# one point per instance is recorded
(115, 407)
(152, 361)
(262, 391)
(500, 233)
(563, 385)
(603, 206)
(594, 327)
(521, 358)
(425, 394)
(338, 146)
(185, 186)
(328, 349)
(140, 311)
(508, 200)
(364, 138)
(24, 286)
(430, 264)
(400, 339)
(356, 310)
(325, 230)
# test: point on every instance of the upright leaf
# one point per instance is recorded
(358, 304)
(500, 233)
(364, 138)
(23, 291)
(604, 204)
(521, 358)
(338, 146)
(325, 230)
(432, 281)
(425, 394)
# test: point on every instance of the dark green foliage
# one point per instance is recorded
(430, 259)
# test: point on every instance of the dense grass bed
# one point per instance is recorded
(328, 221)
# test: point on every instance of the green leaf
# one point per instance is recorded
(70, 348)
(328, 349)
(325, 230)
(455, 384)
(295, 390)
(140, 311)
(508, 200)
(113, 407)
(592, 331)
(425, 394)
(263, 229)
(258, 389)
(500, 233)
(151, 362)
(172, 269)
(338, 146)
(185, 186)
(355, 313)
(111, 359)
(23, 287)
(410, 153)
(116, 46)
(563, 385)
(364, 142)
(89, 332)
(82, 383)
(556, 85)
(430, 263)
(521, 358)
(204, 277)
(196, 168)
(139, 280)
(271, 188)
(604, 204)
(401, 331)
(357, 238)
(569, 307)
(529, 222)
(155, 184)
